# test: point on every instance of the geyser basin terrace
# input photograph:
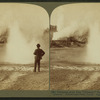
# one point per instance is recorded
(68, 73)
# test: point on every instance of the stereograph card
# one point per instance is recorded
(49, 49)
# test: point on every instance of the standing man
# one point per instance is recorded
(38, 56)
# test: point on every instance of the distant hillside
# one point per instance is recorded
(72, 41)
(3, 37)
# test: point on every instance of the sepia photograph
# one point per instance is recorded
(75, 47)
(24, 47)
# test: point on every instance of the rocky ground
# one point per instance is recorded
(68, 73)
(22, 77)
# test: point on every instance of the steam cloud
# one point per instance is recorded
(80, 18)
(25, 24)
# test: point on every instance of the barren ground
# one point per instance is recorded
(68, 71)
(22, 77)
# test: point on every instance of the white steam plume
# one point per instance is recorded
(93, 47)
(25, 24)
(18, 50)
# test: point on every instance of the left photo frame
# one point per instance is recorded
(24, 47)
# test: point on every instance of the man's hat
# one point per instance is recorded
(38, 45)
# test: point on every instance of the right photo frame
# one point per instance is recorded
(74, 47)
